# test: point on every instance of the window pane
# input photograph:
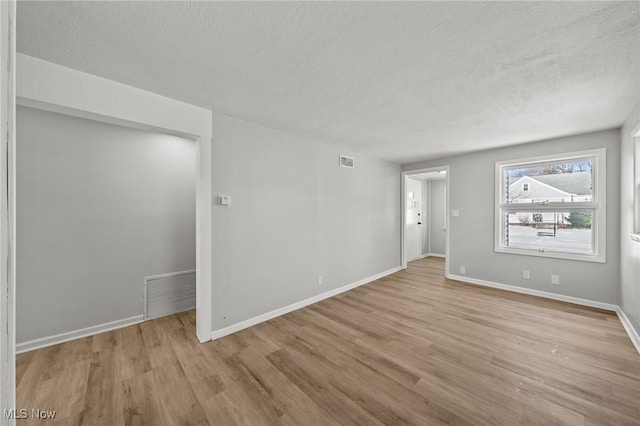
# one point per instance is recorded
(565, 232)
(567, 181)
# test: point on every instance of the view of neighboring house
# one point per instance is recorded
(563, 187)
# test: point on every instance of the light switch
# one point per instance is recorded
(224, 200)
(455, 213)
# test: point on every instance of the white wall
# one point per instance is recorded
(294, 214)
(437, 242)
(472, 181)
(630, 250)
(99, 207)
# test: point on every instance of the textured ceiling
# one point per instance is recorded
(401, 81)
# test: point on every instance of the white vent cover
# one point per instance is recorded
(348, 162)
(168, 294)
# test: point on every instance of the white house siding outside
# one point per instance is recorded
(528, 190)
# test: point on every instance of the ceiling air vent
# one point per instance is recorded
(346, 161)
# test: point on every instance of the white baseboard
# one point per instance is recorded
(216, 334)
(76, 334)
(422, 256)
(436, 255)
(628, 327)
(539, 293)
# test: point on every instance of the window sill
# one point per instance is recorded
(635, 237)
(554, 254)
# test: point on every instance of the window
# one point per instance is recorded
(552, 206)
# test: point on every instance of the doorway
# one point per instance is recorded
(425, 201)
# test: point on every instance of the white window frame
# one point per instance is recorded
(597, 206)
(525, 187)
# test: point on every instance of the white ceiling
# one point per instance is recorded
(401, 81)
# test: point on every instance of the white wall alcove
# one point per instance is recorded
(47, 86)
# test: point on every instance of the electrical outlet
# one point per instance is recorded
(463, 270)
(526, 274)
(320, 280)
(555, 279)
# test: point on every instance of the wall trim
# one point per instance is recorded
(626, 324)
(7, 209)
(422, 256)
(539, 293)
(43, 342)
(436, 255)
(628, 327)
(216, 334)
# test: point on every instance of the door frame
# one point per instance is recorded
(7, 209)
(403, 201)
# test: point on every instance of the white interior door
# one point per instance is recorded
(413, 223)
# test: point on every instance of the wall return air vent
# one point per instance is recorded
(168, 294)
(347, 162)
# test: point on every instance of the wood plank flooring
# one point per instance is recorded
(411, 348)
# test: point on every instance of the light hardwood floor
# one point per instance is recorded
(411, 348)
